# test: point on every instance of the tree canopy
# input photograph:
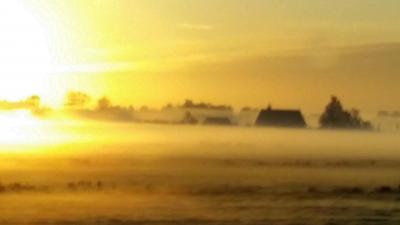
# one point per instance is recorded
(335, 116)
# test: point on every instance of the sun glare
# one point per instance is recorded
(25, 58)
(21, 131)
(18, 127)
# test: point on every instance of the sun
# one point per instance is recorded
(25, 56)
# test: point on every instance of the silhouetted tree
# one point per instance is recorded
(103, 103)
(33, 101)
(188, 118)
(168, 106)
(77, 99)
(189, 104)
(144, 108)
(248, 109)
(336, 117)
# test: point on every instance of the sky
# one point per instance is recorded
(288, 53)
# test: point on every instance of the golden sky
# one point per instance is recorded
(291, 53)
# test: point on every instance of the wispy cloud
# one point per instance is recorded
(200, 27)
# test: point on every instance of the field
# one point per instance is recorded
(124, 174)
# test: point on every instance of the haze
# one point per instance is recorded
(290, 54)
(209, 112)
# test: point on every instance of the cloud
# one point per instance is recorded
(199, 27)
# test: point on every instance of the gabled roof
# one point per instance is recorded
(281, 118)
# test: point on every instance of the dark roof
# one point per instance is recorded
(217, 121)
(281, 118)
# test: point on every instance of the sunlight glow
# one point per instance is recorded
(20, 129)
(25, 58)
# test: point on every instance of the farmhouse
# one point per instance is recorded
(281, 118)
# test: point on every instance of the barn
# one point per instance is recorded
(281, 118)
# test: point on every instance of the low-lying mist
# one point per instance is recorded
(132, 173)
(93, 147)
